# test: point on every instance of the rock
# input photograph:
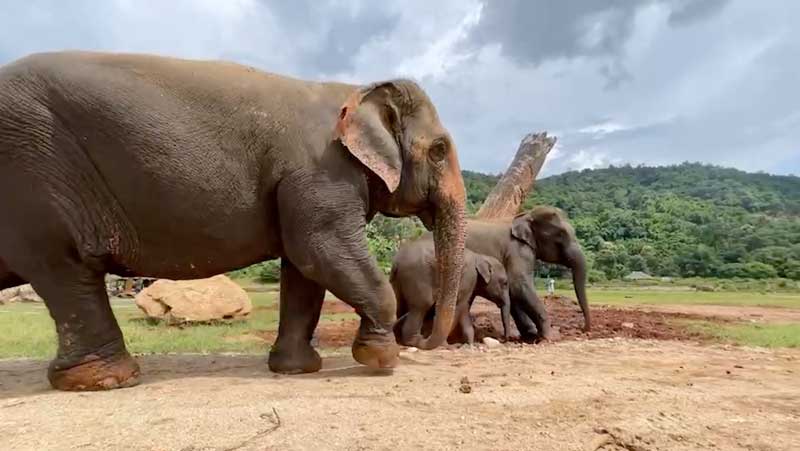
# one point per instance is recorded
(23, 293)
(411, 349)
(216, 298)
(628, 325)
(465, 386)
(491, 343)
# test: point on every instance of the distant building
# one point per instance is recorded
(638, 275)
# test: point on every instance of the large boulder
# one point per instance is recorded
(201, 300)
(22, 293)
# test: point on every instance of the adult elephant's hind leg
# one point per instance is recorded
(91, 351)
(301, 304)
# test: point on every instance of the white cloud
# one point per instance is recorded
(589, 159)
(603, 128)
(443, 53)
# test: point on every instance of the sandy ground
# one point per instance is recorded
(605, 394)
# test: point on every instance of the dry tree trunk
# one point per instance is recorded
(507, 196)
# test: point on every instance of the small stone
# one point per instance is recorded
(465, 386)
(628, 325)
(491, 343)
(411, 349)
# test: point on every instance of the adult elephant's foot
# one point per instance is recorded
(92, 372)
(298, 359)
(376, 351)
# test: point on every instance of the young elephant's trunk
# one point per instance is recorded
(505, 316)
(578, 266)
(449, 233)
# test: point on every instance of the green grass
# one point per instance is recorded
(688, 297)
(693, 284)
(785, 335)
(28, 331)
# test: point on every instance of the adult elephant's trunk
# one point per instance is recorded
(449, 233)
(577, 264)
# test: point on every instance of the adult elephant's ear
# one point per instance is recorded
(521, 229)
(369, 126)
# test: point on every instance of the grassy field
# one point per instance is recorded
(639, 296)
(28, 330)
(786, 335)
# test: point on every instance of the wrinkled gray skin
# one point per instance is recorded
(412, 278)
(542, 233)
(161, 167)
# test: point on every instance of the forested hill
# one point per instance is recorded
(685, 220)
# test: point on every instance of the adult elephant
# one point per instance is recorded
(142, 165)
(544, 233)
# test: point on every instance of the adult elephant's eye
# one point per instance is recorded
(438, 151)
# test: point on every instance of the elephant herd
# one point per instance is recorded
(151, 166)
(504, 254)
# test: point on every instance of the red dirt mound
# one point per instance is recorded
(329, 334)
(607, 322)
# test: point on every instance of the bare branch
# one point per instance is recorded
(507, 196)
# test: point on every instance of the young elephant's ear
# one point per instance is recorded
(484, 269)
(369, 126)
(521, 229)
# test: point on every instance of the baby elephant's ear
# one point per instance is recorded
(484, 269)
(369, 126)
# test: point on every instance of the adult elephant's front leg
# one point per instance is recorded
(529, 311)
(301, 303)
(323, 233)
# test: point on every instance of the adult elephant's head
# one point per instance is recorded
(393, 129)
(549, 233)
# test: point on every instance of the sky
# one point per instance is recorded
(617, 82)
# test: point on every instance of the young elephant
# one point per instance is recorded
(412, 278)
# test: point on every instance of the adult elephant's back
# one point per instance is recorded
(163, 157)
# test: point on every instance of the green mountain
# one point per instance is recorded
(686, 220)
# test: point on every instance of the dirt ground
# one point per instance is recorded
(607, 322)
(650, 386)
(605, 394)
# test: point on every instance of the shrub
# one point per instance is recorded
(758, 270)
(269, 271)
(596, 276)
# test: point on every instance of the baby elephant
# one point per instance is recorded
(412, 278)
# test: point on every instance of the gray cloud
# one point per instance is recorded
(337, 31)
(686, 12)
(532, 31)
(639, 81)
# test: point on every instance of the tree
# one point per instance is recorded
(758, 270)
(508, 194)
